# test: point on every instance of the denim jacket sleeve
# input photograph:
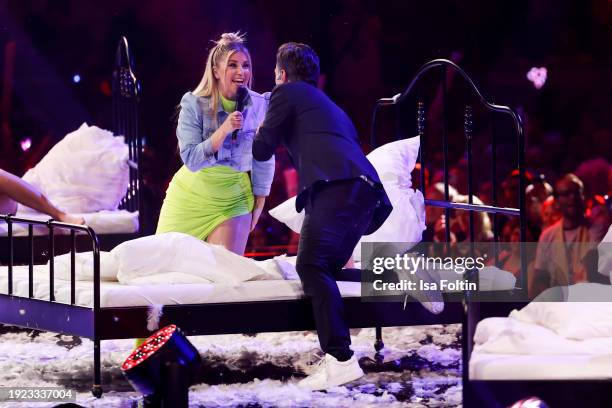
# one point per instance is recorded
(262, 171)
(193, 135)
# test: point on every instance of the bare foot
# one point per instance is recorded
(71, 219)
(350, 263)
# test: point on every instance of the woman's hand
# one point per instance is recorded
(232, 122)
(257, 210)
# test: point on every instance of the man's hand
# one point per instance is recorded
(257, 210)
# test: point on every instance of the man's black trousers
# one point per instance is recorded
(337, 215)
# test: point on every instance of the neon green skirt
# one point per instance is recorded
(197, 202)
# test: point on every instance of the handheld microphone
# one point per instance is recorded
(241, 95)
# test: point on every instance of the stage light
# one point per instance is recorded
(537, 76)
(76, 78)
(163, 367)
(26, 144)
(531, 402)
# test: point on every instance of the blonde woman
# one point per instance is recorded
(212, 196)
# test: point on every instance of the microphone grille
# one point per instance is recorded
(241, 95)
(242, 92)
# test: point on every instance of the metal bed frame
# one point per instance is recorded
(492, 393)
(126, 94)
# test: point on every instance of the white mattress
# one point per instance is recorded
(114, 294)
(102, 222)
(484, 366)
(506, 348)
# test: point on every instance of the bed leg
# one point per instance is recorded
(379, 345)
(96, 389)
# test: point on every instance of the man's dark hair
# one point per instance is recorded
(299, 61)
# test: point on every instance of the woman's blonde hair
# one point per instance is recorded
(223, 49)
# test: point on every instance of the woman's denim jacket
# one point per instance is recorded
(196, 126)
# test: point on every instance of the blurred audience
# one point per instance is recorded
(550, 213)
(563, 248)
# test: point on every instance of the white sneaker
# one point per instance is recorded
(332, 373)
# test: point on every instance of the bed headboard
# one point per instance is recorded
(126, 93)
(472, 100)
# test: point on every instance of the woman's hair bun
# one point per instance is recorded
(231, 38)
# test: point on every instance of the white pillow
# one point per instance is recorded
(287, 214)
(181, 253)
(286, 266)
(573, 320)
(277, 268)
(393, 162)
(85, 172)
(404, 226)
(604, 250)
(270, 268)
(83, 266)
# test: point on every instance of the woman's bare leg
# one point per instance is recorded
(7, 205)
(232, 234)
(18, 191)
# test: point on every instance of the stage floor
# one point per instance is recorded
(422, 368)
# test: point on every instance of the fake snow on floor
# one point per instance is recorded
(421, 368)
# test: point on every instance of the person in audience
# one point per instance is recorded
(599, 215)
(339, 189)
(510, 256)
(594, 175)
(562, 247)
(212, 196)
(435, 219)
(510, 189)
(550, 213)
(535, 194)
(485, 192)
(14, 190)
(458, 176)
(460, 222)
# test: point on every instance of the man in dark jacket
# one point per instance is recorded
(339, 189)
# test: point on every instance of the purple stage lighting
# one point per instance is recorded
(537, 76)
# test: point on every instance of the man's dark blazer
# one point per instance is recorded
(320, 139)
